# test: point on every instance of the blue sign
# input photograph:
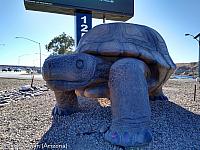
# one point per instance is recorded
(83, 24)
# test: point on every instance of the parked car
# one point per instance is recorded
(4, 70)
(17, 70)
(29, 70)
(9, 69)
(38, 71)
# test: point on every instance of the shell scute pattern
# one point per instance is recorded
(130, 40)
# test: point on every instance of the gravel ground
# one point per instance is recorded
(10, 84)
(175, 123)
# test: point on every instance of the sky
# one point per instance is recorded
(171, 18)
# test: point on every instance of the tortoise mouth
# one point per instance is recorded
(60, 85)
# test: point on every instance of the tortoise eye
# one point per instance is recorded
(79, 64)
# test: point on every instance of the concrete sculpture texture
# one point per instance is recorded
(127, 63)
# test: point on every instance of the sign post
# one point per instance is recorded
(83, 23)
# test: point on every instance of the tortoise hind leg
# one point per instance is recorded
(158, 95)
(130, 104)
(66, 103)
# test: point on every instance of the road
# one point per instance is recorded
(19, 75)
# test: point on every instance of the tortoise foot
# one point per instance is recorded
(128, 137)
(159, 97)
(57, 111)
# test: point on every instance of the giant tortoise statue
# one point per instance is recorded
(127, 63)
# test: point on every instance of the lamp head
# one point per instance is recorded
(198, 35)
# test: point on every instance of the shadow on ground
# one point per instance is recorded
(173, 128)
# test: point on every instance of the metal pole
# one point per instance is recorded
(18, 60)
(39, 49)
(199, 61)
(195, 37)
(195, 89)
(104, 18)
(40, 58)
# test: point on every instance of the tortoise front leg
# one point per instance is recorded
(66, 103)
(129, 103)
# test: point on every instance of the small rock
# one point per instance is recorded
(3, 102)
(38, 94)
(23, 97)
(35, 119)
(103, 129)
(28, 97)
(26, 88)
(16, 94)
(6, 98)
(17, 98)
(43, 89)
(2, 98)
(22, 93)
(29, 94)
(1, 105)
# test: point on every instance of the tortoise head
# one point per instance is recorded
(69, 72)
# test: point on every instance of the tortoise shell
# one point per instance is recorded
(131, 40)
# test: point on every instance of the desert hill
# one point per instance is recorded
(190, 69)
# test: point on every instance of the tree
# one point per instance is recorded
(61, 44)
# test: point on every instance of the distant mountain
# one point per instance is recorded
(190, 69)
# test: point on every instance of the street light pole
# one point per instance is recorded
(40, 58)
(39, 49)
(19, 57)
(199, 58)
(198, 40)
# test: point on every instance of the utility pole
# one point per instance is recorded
(197, 38)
